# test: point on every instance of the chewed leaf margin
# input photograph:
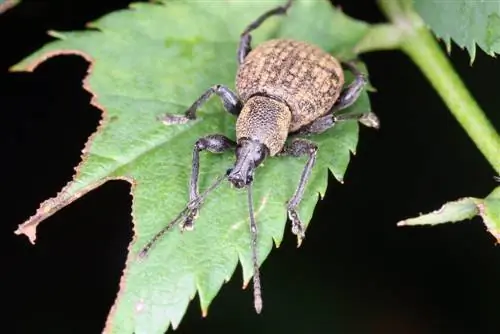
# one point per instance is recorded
(63, 198)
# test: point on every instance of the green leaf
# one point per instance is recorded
(489, 210)
(7, 4)
(464, 208)
(451, 212)
(466, 22)
(157, 58)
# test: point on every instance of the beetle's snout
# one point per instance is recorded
(239, 179)
(249, 154)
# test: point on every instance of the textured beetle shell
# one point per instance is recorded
(302, 75)
(264, 120)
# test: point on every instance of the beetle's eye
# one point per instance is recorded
(238, 150)
(249, 179)
(262, 153)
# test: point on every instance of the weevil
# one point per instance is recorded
(285, 88)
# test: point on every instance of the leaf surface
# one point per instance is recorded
(465, 22)
(158, 58)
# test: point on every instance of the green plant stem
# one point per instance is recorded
(421, 46)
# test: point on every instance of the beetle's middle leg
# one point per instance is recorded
(297, 148)
(230, 101)
(246, 39)
(215, 143)
(328, 121)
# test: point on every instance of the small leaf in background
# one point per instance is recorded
(158, 58)
(451, 212)
(464, 208)
(465, 22)
(5, 5)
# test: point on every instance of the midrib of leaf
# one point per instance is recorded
(147, 149)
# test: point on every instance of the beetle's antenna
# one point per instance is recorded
(257, 290)
(184, 214)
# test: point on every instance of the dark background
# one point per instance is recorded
(355, 273)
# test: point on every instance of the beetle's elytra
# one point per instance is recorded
(303, 76)
(285, 88)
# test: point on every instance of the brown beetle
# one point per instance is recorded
(285, 88)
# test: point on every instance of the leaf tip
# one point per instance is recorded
(204, 312)
(299, 241)
(277, 242)
(91, 25)
(28, 230)
(472, 53)
(402, 223)
(447, 43)
(56, 34)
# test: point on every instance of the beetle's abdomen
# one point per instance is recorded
(264, 120)
(305, 77)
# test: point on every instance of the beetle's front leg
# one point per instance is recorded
(297, 148)
(215, 143)
(230, 101)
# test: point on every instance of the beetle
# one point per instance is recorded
(285, 88)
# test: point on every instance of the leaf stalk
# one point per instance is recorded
(421, 46)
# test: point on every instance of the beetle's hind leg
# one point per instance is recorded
(351, 93)
(347, 97)
(324, 123)
(230, 101)
(246, 39)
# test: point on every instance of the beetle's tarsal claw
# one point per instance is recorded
(370, 120)
(188, 224)
(258, 305)
(299, 241)
(171, 119)
(297, 226)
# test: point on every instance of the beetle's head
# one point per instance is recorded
(249, 155)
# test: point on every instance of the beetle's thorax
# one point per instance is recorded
(264, 120)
